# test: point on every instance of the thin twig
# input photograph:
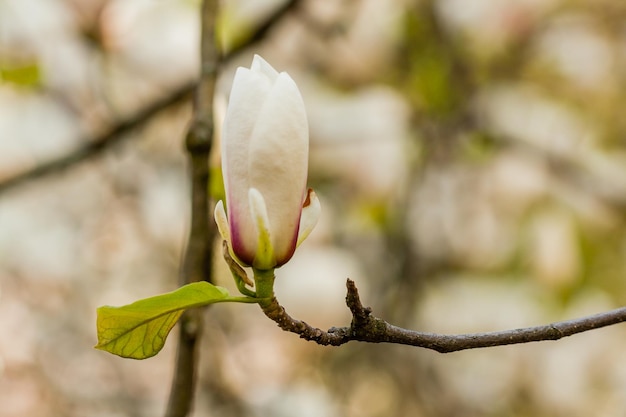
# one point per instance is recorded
(197, 262)
(262, 30)
(365, 327)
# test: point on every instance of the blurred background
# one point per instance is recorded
(471, 162)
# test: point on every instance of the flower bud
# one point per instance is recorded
(265, 149)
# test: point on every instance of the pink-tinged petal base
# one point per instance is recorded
(224, 228)
(239, 243)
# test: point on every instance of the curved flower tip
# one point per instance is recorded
(311, 210)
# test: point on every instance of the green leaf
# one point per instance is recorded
(139, 330)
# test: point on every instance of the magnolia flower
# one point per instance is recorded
(265, 149)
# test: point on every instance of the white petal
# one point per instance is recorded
(279, 167)
(311, 211)
(264, 258)
(248, 95)
(222, 221)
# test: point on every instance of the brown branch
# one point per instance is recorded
(263, 29)
(94, 146)
(367, 328)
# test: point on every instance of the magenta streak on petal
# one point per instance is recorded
(281, 260)
(244, 254)
(292, 247)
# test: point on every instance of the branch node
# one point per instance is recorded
(199, 136)
(556, 332)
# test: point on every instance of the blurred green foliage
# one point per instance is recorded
(28, 75)
(425, 67)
